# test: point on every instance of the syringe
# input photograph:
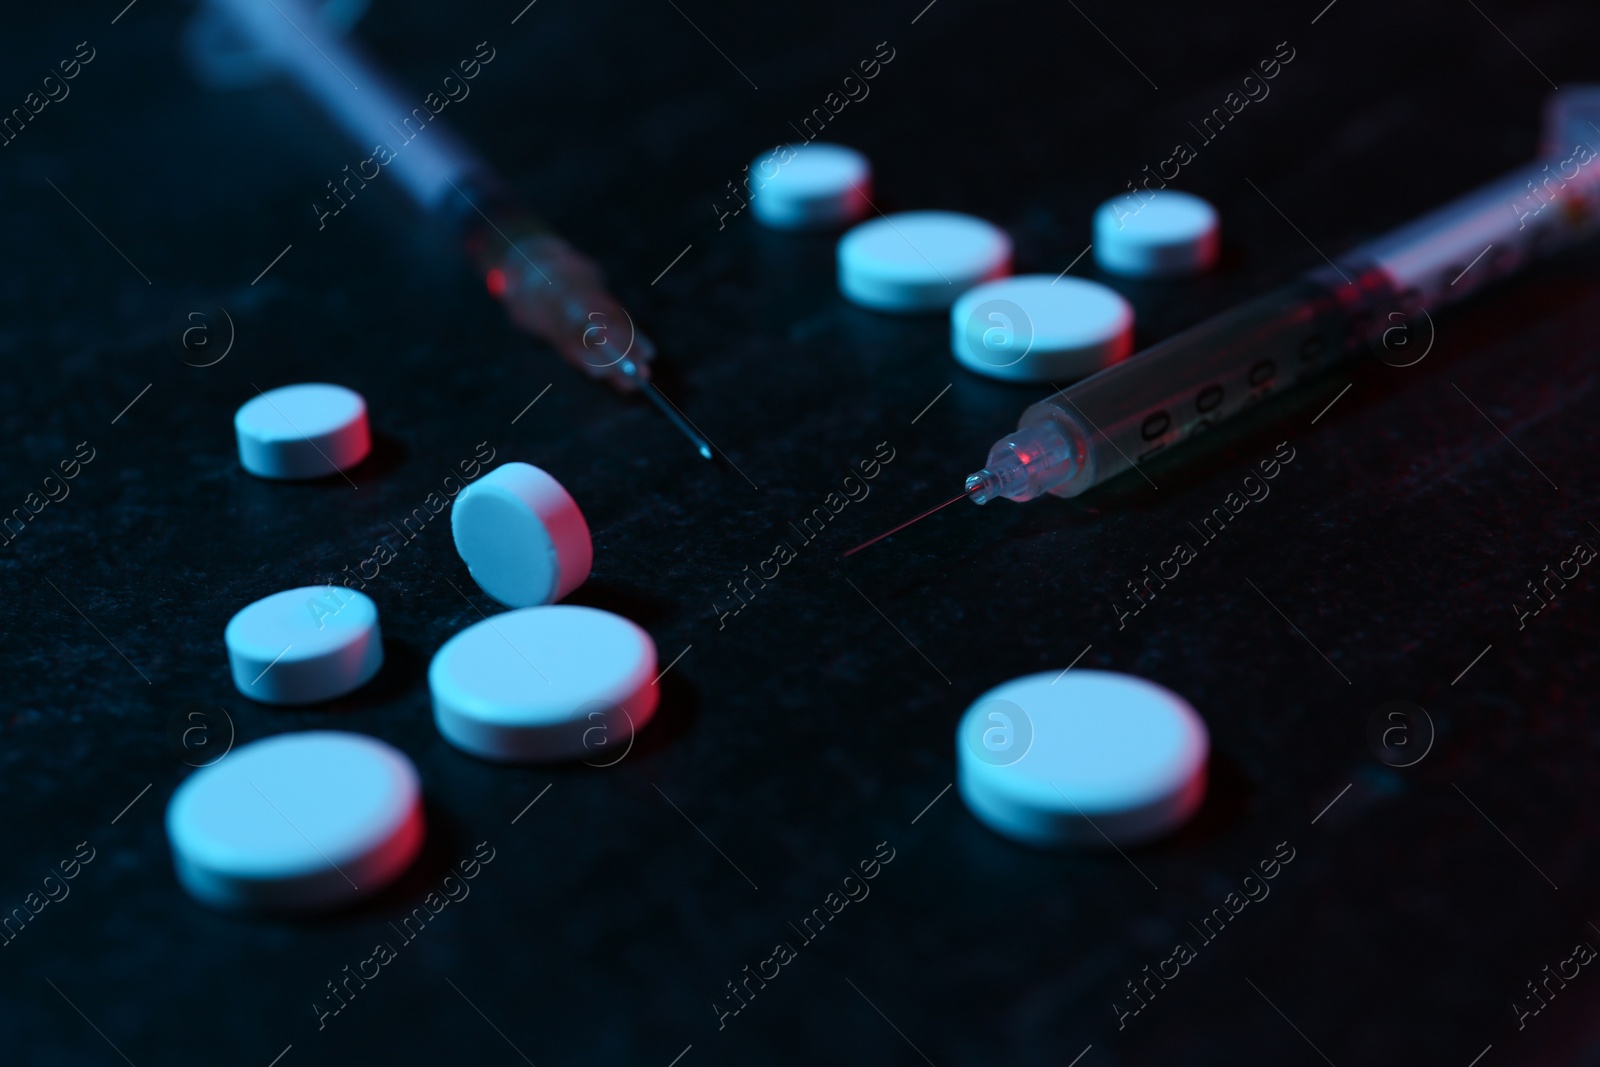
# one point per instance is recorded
(549, 288)
(1092, 431)
(1083, 435)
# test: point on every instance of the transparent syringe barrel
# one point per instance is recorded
(1098, 428)
(1171, 391)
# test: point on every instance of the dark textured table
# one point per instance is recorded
(814, 729)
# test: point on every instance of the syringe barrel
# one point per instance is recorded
(1184, 385)
(1098, 428)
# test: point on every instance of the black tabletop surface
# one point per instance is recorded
(815, 728)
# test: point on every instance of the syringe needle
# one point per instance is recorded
(903, 525)
(670, 410)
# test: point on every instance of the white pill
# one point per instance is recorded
(1040, 328)
(1081, 758)
(522, 536)
(297, 822)
(543, 684)
(920, 260)
(302, 431)
(815, 186)
(1158, 234)
(304, 645)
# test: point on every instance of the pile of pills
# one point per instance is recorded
(316, 820)
(1030, 329)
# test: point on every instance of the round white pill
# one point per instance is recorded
(1159, 234)
(1081, 759)
(816, 185)
(298, 822)
(543, 684)
(302, 431)
(304, 645)
(920, 260)
(1040, 328)
(522, 536)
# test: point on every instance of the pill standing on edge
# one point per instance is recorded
(543, 684)
(1039, 328)
(304, 645)
(815, 186)
(306, 821)
(920, 260)
(522, 536)
(1081, 758)
(302, 431)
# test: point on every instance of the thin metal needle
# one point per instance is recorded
(647, 387)
(700, 443)
(903, 525)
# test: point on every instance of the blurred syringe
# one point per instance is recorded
(549, 288)
(1080, 436)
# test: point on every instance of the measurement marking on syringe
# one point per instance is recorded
(1107, 436)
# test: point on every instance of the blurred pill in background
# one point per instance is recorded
(815, 186)
(1156, 234)
(920, 260)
